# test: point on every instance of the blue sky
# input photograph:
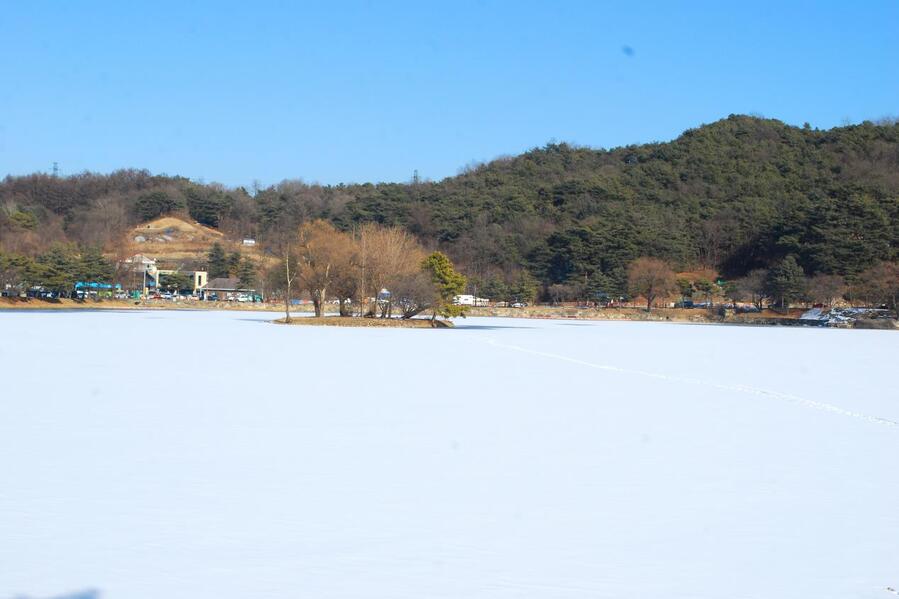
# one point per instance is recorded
(370, 91)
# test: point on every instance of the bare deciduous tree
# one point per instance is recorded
(388, 255)
(289, 276)
(879, 285)
(323, 251)
(651, 278)
(346, 279)
(826, 289)
(415, 294)
(753, 286)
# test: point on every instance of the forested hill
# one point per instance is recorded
(734, 195)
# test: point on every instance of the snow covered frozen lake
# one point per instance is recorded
(187, 455)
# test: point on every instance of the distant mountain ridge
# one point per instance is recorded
(733, 195)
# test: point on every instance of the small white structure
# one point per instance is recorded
(140, 261)
(470, 300)
(249, 242)
(147, 270)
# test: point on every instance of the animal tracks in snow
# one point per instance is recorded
(808, 403)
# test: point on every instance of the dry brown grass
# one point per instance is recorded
(658, 314)
(187, 241)
(355, 321)
(331, 319)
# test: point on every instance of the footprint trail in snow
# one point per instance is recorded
(809, 403)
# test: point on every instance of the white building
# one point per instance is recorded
(148, 274)
(470, 300)
(145, 268)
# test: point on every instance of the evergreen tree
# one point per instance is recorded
(176, 282)
(14, 269)
(94, 267)
(449, 284)
(155, 204)
(599, 287)
(494, 289)
(207, 206)
(786, 282)
(57, 269)
(233, 263)
(246, 272)
(706, 288)
(685, 288)
(524, 288)
(217, 262)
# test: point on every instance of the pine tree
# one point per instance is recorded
(177, 281)
(706, 288)
(56, 269)
(218, 262)
(786, 282)
(494, 289)
(524, 288)
(156, 203)
(94, 267)
(449, 284)
(233, 263)
(685, 288)
(246, 272)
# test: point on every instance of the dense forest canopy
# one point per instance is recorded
(736, 195)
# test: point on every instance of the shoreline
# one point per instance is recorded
(679, 315)
(13, 304)
(334, 320)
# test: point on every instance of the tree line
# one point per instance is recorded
(735, 196)
(56, 270)
(782, 285)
